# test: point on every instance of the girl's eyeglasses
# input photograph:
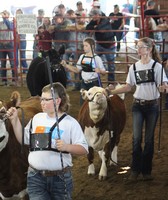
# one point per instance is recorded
(45, 99)
(141, 47)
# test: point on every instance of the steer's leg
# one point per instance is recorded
(103, 169)
(114, 160)
(90, 156)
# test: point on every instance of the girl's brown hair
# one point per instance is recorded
(60, 92)
(150, 44)
(90, 41)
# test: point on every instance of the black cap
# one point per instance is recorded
(40, 11)
(61, 6)
(79, 3)
(116, 6)
(95, 12)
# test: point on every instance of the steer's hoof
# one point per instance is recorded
(113, 163)
(91, 174)
(91, 169)
(102, 178)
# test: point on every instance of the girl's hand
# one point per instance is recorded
(63, 63)
(110, 87)
(12, 113)
(163, 88)
(61, 146)
(97, 70)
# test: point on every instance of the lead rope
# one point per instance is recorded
(99, 80)
(23, 125)
(56, 116)
(160, 121)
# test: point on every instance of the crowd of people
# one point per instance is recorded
(60, 30)
(108, 31)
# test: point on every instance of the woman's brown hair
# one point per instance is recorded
(60, 92)
(150, 44)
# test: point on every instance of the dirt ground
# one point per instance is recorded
(115, 187)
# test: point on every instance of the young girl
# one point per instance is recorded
(145, 74)
(89, 64)
(49, 175)
(44, 39)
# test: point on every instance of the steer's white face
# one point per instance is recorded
(97, 98)
(96, 94)
(4, 135)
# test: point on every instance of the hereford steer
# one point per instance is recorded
(102, 119)
(13, 156)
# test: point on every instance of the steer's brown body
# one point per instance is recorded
(13, 157)
(102, 118)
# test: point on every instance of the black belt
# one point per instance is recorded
(90, 81)
(146, 102)
(50, 173)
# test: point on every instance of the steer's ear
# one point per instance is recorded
(1, 104)
(15, 99)
(83, 94)
(62, 49)
(107, 91)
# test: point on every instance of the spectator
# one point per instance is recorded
(44, 36)
(40, 16)
(150, 11)
(152, 32)
(75, 26)
(127, 8)
(70, 14)
(117, 24)
(6, 46)
(60, 9)
(96, 5)
(105, 39)
(81, 34)
(49, 173)
(64, 36)
(21, 47)
(164, 29)
(152, 19)
(46, 23)
(137, 11)
(44, 39)
(81, 11)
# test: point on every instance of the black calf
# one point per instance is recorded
(37, 76)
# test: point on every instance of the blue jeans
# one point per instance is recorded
(69, 56)
(35, 49)
(142, 158)
(7, 50)
(166, 101)
(49, 188)
(22, 47)
(110, 59)
(118, 36)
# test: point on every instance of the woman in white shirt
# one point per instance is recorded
(146, 74)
